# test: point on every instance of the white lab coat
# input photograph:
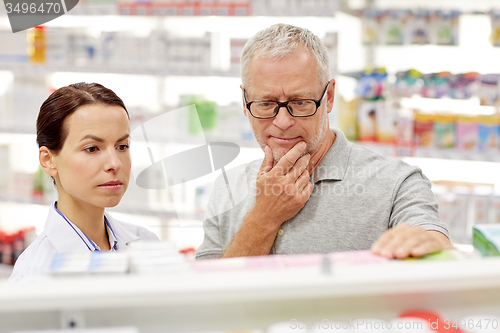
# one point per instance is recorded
(59, 237)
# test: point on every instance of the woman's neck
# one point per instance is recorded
(88, 218)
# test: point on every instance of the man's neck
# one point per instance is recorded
(318, 156)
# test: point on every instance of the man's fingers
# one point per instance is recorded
(382, 241)
(436, 242)
(299, 168)
(308, 189)
(428, 247)
(404, 241)
(392, 239)
(412, 241)
(302, 181)
(288, 161)
(268, 162)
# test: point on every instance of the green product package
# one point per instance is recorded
(444, 255)
(206, 113)
(486, 239)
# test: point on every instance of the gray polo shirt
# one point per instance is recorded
(357, 195)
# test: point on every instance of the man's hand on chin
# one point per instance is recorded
(405, 241)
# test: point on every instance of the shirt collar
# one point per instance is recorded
(111, 235)
(67, 237)
(334, 165)
(122, 235)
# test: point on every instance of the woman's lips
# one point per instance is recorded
(111, 186)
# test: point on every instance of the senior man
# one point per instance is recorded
(314, 192)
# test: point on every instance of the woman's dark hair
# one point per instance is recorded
(63, 102)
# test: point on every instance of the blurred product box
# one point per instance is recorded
(487, 239)
(495, 207)
(446, 212)
(463, 86)
(398, 27)
(419, 27)
(294, 7)
(56, 46)
(436, 85)
(387, 120)
(462, 206)
(495, 27)
(393, 27)
(348, 118)
(36, 45)
(424, 129)
(367, 119)
(444, 131)
(446, 27)
(488, 90)
(405, 127)
(482, 209)
(489, 133)
(236, 48)
(370, 26)
(466, 133)
(228, 122)
(12, 244)
(461, 223)
(407, 83)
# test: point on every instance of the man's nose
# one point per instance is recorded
(283, 119)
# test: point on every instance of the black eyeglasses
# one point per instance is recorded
(296, 108)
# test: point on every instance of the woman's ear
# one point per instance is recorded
(47, 162)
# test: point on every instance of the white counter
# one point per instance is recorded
(252, 299)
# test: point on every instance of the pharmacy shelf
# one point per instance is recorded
(232, 297)
(212, 8)
(41, 69)
(169, 8)
(463, 5)
(392, 149)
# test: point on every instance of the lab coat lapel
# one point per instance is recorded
(123, 236)
(62, 235)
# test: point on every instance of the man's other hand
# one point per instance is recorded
(405, 241)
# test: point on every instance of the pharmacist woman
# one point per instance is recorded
(83, 134)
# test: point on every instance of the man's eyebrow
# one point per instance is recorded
(300, 94)
(93, 137)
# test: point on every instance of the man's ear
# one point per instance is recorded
(47, 162)
(330, 95)
(243, 100)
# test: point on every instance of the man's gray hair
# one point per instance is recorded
(281, 39)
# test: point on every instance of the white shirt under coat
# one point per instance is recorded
(62, 236)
